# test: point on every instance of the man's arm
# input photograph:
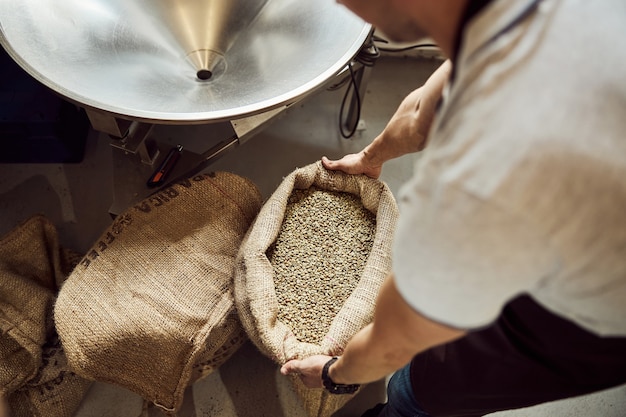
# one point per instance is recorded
(406, 132)
(396, 334)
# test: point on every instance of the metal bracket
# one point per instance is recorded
(137, 142)
(245, 128)
(107, 123)
(130, 136)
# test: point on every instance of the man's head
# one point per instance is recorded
(411, 20)
(388, 17)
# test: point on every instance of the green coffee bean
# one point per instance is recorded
(319, 257)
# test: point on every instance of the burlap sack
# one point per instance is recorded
(255, 294)
(34, 376)
(150, 306)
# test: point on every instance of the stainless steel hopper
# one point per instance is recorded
(181, 61)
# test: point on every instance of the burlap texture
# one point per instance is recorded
(150, 306)
(34, 375)
(255, 294)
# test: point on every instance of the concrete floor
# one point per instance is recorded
(77, 199)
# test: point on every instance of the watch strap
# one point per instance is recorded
(336, 388)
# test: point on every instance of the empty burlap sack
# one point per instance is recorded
(150, 306)
(34, 376)
(255, 294)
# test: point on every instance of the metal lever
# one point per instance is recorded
(158, 177)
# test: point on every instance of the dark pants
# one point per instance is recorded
(528, 356)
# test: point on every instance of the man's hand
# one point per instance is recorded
(309, 369)
(354, 164)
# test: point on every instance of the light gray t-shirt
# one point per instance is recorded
(522, 187)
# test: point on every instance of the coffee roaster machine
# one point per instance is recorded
(232, 65)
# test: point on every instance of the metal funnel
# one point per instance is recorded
(205, 29)
(181, 61)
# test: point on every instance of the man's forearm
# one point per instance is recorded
(397, 334)
(367, 359)
(408, 128)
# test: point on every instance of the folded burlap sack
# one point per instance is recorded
(150, 306)
(256, 292)
(34, 376)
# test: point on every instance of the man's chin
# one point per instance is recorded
(402, 34)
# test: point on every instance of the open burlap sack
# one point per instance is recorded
(150, 306)
(255, 294)
(34, 376)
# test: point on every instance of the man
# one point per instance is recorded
(509, 270)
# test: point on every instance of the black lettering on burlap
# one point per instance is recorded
(105, 242)
(116, 229)
(155, 201)
(144, 206)
(185, 183)
(52, 384)
(164, 196)
(171, 192)
(40, 390)
(92, 255)
(121, 223)
(57, 381)
(109, 238)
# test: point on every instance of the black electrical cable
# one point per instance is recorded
(340, 84)
(403, 49)
(367, 57)
(408, 48)
(343, 105)
(379, 39)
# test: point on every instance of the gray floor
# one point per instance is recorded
(77, 198)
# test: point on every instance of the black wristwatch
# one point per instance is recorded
(336, 388)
